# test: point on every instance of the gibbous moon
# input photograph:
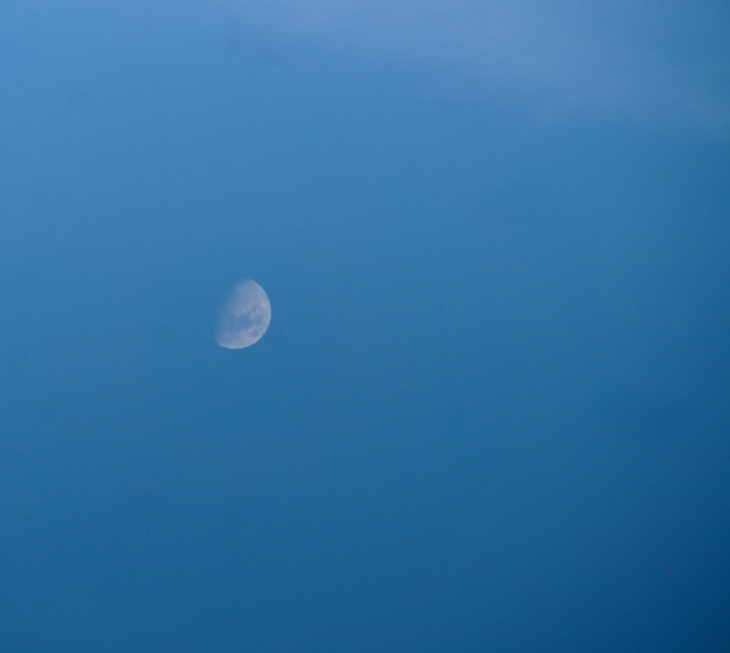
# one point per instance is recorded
(244, 317)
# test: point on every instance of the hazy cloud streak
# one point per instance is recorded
(668, 63)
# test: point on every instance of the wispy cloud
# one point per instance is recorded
(665, 62)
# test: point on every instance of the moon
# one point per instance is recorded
(244, 316)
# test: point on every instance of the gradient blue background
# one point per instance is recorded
(492, 410)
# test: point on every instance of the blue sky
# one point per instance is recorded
(491, 408)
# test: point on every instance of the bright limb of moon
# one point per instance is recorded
(244, 317)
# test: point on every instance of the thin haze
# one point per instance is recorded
(661, 62)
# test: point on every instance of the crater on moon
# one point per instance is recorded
(244, 317)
